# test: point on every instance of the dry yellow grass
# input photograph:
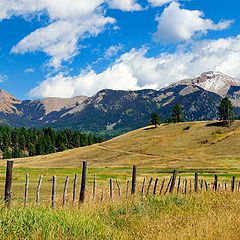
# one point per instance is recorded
(167, 147)
(200, 216)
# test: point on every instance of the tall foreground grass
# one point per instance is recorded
(198, 216)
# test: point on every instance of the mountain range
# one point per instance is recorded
(112, 112)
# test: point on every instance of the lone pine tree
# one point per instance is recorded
(177, 114)
(155, 119)
(225, 111)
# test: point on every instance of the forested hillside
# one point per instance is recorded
(24, 142)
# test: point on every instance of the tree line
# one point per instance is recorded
(225, 114)
(27, 142)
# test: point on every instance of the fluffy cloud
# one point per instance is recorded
(133, 70)
(69, 22)
(60, 39)
(125, 5)
(176, 24)
(159, 3)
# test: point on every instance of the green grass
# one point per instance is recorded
(202, 216)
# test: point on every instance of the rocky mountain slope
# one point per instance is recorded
(112, 112)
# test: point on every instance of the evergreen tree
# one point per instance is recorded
(31, 150)
(225, 111)
(177, 115)
(155, 119)
(16, 152)
(7, 154)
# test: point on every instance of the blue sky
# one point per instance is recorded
(64, 48)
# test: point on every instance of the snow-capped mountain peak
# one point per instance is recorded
(216, 82)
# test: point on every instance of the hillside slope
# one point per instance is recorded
(168, 146)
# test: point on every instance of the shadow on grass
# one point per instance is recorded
(217, 124)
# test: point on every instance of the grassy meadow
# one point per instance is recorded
(199, 216)
(187, 147)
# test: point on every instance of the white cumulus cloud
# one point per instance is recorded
(69, 22)
(133, 70)
(176, 24)
(125, 5)
(159, 3)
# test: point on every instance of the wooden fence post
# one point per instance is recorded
(54, 186)
(65, 192)
(201, 184)
(26, 191)
(94, 186)
(8, 184)
(174, 176)
(38, 190)
(111, 188)
(162, 186)
(178, 187)
(134, 179)
(215, 182)
(149, 186)
(170, 180)
(233, 183)
(75, 189)
(119, 188)
(206, 185)
(185, 186)
(196, 182)
(127, 188)
(143, 186)
(155, 186)
(83, 182)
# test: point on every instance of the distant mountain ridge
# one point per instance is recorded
(112, 112)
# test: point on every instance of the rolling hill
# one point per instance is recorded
(190, 145)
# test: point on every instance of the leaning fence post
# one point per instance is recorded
(149, 186)
(143, 186)
(233, 183)
(178, 187)
(75, 189)
(170, 180)
(155, 186)
(8, 184)
(119, 188)
(54, 186)
(38, 190)
(134, 178)
(215, 182)
(26, 190)
(174, 176)
(206, 185)
(162, 186)
(196, 183)
(65, 192)
(83, 182)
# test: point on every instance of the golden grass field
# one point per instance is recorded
(167, 147)
(187, 147)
